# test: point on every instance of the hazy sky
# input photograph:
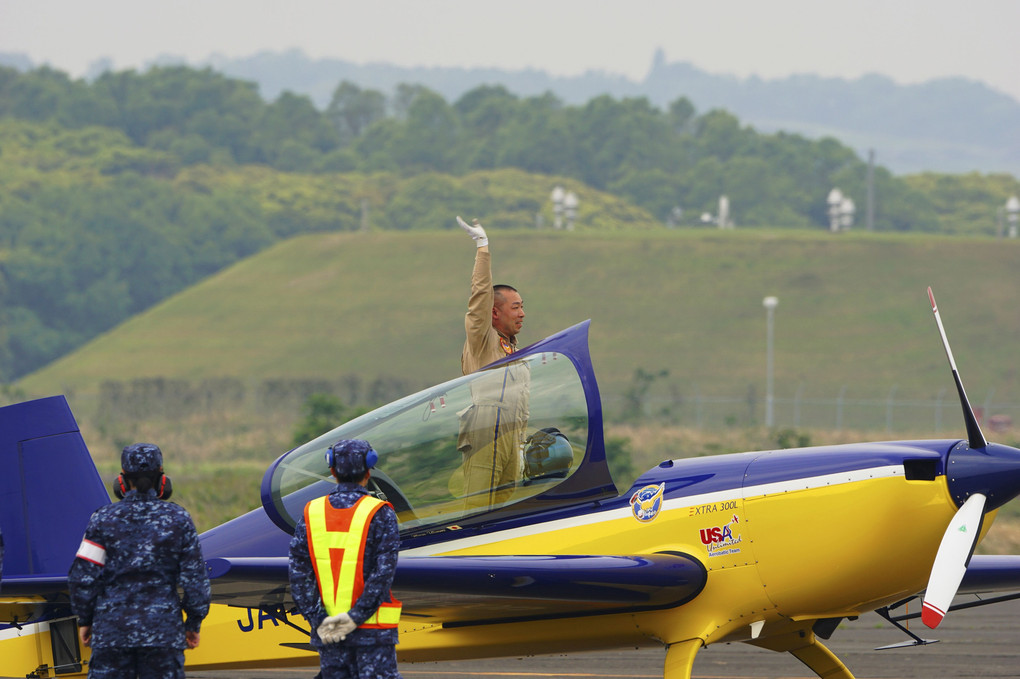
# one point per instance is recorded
(907, 40)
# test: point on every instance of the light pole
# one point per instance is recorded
(1013, 214)
(869, 208)
(558, 195)
(570, 208)
(770, 304)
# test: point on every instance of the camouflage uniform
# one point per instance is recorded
(127, 591)
(365, 653)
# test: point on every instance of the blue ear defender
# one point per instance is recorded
(371, 457)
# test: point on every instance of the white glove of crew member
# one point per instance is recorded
(327, 632)
(475, 231)
(336, 628)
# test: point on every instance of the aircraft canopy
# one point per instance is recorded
(426, 440)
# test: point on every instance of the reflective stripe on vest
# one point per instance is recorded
(336, 542)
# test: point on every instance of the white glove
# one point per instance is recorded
(327, 632)
(335, 628)
(475, 231)
(345, 625)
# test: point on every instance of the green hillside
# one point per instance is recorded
(853, 312)
(119, 192)
(375, 316)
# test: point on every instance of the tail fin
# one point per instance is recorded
(49, 488)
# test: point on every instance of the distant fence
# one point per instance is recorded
(941, 416)
(178, 398)
(891, 413)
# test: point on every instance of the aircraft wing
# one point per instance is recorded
(988, 573)
(33, 585)
(452, 589)
(985, 574)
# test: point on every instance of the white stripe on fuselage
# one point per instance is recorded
(25, 631)
(684, 502)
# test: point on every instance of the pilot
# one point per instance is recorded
(136, 556)
(348, 604)
(493, 427)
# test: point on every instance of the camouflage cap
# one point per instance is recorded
(141, 457)
(352, 457)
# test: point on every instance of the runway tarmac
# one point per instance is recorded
(978, 642)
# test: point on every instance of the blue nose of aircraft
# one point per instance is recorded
(993, 471)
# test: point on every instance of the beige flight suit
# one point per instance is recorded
(492, 428)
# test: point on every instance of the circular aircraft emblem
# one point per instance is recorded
(647, 502)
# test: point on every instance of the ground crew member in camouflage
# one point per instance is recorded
(356, 642)
(124, 581)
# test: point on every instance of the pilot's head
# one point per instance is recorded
(507, 310)
(350, 460)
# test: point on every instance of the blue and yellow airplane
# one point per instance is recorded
(772, 548)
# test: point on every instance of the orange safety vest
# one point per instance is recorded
(336, 542)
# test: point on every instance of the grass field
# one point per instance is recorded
(852, 311)
(383, 314)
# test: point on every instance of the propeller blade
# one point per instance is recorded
(951, 560)
(975, 437)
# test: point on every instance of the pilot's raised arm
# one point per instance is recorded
(492, 428)
(495, 313)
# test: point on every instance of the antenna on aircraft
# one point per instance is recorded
(975, 437)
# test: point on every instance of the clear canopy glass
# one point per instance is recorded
(487, 441)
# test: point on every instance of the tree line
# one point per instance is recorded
(118, 192)
(657, 159)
